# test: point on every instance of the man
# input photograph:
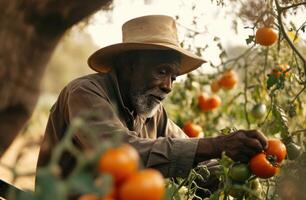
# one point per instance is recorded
(133, 78)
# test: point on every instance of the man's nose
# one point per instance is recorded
(166, 85)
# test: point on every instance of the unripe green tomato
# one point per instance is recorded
(259, 111)
(239, 172)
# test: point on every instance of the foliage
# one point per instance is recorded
(280, 94)
(262, 81)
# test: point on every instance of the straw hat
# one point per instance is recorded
(147, 32)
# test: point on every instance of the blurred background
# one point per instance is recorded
(218, 31)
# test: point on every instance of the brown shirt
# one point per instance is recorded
(160, 142)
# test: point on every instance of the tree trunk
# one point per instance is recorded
(29, 32)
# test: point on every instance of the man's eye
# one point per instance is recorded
(163, 72)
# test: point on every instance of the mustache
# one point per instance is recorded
(155, 92)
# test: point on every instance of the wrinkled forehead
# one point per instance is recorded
(156, 57)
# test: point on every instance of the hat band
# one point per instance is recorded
(154, 41)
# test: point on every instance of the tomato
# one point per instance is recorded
(214, 86)
(279, 70)
(120, 162)
(202, 98)
(147, 184)
(228, 80)
(88, 197)
(277, 149)
(213, 102)
(266, 36)
(239, 172)
(259, 111)
(293, 150)
(192, 130)
(261, 166)
(94, 197)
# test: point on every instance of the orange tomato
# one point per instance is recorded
(192, 130)
(228, 80)
(88, 197)
(266, 36)
(261, 166)
(212, 103)
(94, 197)
(147, 184)
(276, 148)
(202, 98)
(120, 162)
(279, 70)
(214, 86)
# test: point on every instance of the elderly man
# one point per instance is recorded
(133, 78)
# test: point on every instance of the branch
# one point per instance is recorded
(282, 28)
(292, 6)
(191, 29)
(298, 94)
(238, 57)
(298, 131)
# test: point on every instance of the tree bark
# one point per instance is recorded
(29, 32)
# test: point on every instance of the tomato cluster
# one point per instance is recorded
(129, 182)
(207, 103)
(279, 70)
(227, 81)
(266, 164)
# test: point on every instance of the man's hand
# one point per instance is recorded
(240, 145)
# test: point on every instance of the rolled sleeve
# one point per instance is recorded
(173, 156)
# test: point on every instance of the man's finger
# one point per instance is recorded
(259, 136)
(254, 144)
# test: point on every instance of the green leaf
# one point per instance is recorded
(250, 39)
(271, 81)
(281, 119)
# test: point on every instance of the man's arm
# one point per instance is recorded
(164, 153)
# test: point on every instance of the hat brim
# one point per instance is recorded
(101, 60)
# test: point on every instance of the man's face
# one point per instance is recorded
(151, 80)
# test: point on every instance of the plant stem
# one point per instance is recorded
(298, 131)
(282, 28)
(246, 95)
(298, 94)
(293, 6)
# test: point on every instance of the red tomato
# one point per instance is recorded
(261, 166)
(276, 148)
